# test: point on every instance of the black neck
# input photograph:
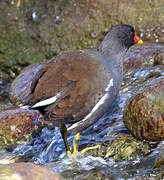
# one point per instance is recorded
(111, 47)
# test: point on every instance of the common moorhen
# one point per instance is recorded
(79, 86)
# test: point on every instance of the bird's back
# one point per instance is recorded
(80, 77)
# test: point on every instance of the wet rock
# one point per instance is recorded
(121, 148)
(142, 56)
(158, 158)
(159, 59)
(159, 161)
(27, 171)
(140, 79)
(16, 125)
(126, 148)
(144, 112)
(21, 87)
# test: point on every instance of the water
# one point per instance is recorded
(48, 148)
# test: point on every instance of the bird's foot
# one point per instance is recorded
(75, 153)
(85, 150)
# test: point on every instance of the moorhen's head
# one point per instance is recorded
(119, 38)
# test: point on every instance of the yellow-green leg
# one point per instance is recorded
(63, 131)
(76, 143)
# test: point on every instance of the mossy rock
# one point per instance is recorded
(120, 149)
(126, 148)
(17, 125)
(144, 112)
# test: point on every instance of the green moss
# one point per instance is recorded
(17, 50)
(126, 148)
(81, 24)
(143, 113)
(160, 105)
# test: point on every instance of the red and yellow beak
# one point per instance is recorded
(137, 40)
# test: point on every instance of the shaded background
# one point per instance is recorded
(32, 31)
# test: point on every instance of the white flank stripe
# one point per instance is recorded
(109, 85)
(100, 102)
(97, 106)
(47, 101)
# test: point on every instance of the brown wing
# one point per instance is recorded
(89, 85)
